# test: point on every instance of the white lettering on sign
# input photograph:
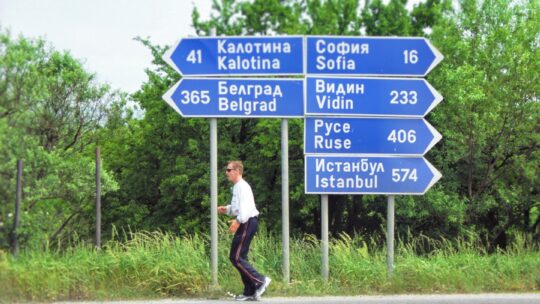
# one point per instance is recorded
(342, 48)
(338, 103)
(252, 63)
(356, 182)
(404, 174)
(248, 98)
(195, 97)
(340, 89)
(371, 181)
(227, 47)
(361, 166)
(246, 106)
(341, 63)
(321, 86)
(225, 88)
(322, 142)
(331, 127)
(327, 129)
(402, 136)
(227, 60)
(404, 97)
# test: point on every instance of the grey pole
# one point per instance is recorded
(17, 208)
(390, 235)
(98, 198)
(213, 199)
(324, 235)
(285, 198)
(213, 194)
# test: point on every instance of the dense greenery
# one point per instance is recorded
(154, 265)
(50, 109)
(156, 165)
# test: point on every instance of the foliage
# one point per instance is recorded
(157, 264)
(490, 76)
(49, 106)
(162, 166)
(53, 115)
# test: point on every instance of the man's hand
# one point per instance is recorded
(222, 209)
(234, 226)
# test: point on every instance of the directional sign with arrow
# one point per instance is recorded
(392, 56)
(370, 96)
(237, 97)
(368, 136)
(215, 56)
(326, 174)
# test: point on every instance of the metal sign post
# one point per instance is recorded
(285, 198)
(324, 236)
(373, 137)
(239, 97)
(390, 235)
(213, 195)
(367, 135)
(213, 199)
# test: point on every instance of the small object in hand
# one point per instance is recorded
(234, 226)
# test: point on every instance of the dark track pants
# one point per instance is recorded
(239, 256)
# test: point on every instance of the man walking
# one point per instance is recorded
(244, 228)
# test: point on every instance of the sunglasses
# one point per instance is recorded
(229, 169)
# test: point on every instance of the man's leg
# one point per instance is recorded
(237, 243)
(240, 256)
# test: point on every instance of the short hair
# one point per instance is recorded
(236, 164)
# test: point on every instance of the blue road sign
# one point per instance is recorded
(392, 56)
(326, 174)
(237, 97)
(369, 96)
(394, 136)
(208, 56)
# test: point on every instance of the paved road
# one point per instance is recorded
(532, 298)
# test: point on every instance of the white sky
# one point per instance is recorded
(101, 32)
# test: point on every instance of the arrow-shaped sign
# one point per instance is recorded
(326, 174)
(237, 97)
(215, 56)
(392, 56)
(368, 136)
(370, 96)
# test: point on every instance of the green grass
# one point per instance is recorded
(154, 265)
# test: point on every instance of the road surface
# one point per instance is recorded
(529, 298)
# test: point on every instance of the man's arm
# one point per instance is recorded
(224, 209)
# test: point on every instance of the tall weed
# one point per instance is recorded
(158, 264)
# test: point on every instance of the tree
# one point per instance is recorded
(50, 109)
(169, 169)
(488, 155)
(334, 17)
(489, 119)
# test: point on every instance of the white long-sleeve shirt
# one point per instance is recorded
(242, 203)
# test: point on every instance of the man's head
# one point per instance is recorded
(234, 171)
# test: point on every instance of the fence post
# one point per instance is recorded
(15, 243)
(98, 199)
